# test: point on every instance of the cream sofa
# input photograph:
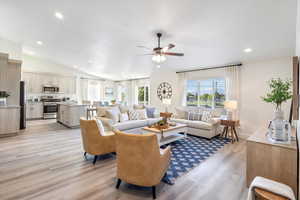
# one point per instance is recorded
(208, 129)
(110, 124)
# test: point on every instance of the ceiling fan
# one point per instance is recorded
(160, 53)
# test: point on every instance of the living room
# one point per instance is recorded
(197, 75)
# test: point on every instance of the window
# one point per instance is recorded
(93, 90)
(122, 94)
(143, 95)
(209, 93)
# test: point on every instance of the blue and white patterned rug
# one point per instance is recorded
(189, 153)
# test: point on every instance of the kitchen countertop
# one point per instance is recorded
(9, 107)
(70, 104)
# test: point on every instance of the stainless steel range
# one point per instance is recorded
(50, 107)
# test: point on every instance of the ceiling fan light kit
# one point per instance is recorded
(160, 53)
(159, 58)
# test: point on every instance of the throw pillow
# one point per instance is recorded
(113, 113)
(123, 109)
(181, 113)
(206, 116)
(150, 112)
(101, 111)
(133, 115)
(124, 117)
(142, 114)
(194, 116)
(100, 127)
(136, 107)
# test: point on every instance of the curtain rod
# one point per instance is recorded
(217, 67)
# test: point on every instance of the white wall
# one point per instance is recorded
(14, 50)
(254, 113)
(159, 75)
(34, 64)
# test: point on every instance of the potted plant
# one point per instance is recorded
(3, 96)
(280, 91)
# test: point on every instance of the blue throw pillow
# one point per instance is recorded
(150, 112)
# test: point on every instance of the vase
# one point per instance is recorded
(2, 101)
(279, 128)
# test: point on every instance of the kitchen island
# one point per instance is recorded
(69, 114)
(9, 120)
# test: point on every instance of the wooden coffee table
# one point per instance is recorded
(168, 135)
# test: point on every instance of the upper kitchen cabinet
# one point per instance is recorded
(32, 82)
(35, 81)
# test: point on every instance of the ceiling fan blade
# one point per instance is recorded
(172, 54)
(147, 54)
(170, 46)
(139, 46)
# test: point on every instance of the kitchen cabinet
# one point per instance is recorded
(70, 114)
(34, 82)
(9, 120)
(34, 110)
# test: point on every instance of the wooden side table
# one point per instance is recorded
(230, 124)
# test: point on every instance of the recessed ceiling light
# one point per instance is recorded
(59, 15)
(39, 42)
(248, 50)
(158, 66)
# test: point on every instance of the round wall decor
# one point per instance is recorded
(164, 91)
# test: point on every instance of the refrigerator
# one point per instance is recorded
(22, 105)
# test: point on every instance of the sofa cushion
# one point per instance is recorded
(181, 121)
(113, 113)
(130, 124)
(200, 125)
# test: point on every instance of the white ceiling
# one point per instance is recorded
(209, 32)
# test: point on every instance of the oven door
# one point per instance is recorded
(50, 108)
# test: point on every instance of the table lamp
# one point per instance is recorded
(230, 106)
(166, 102)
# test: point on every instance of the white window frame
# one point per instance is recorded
(214, 90)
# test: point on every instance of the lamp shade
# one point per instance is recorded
(166, 101)
(230, 104)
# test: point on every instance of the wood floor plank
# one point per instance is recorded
(46, 162)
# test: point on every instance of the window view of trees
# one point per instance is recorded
(208, 93)
(143, 95)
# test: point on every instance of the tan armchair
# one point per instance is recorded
(140, 160)
(95, 143)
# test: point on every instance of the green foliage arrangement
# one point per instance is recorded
(280, 91)
(4, 94)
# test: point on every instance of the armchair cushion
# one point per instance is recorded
(100, 126)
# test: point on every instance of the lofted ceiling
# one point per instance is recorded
(100, 36)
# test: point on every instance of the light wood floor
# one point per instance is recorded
(46, 162)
